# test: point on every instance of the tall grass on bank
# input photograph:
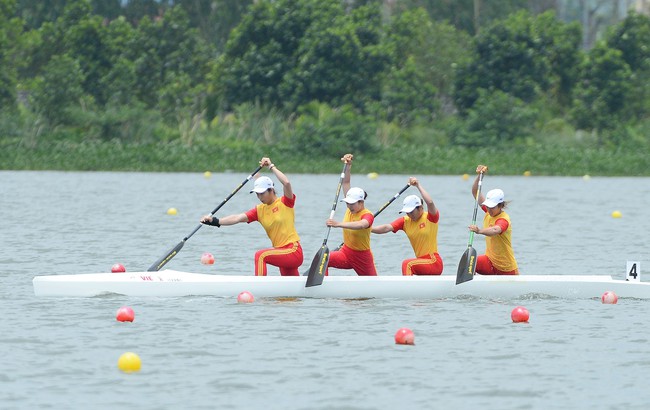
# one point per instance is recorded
(239, 156)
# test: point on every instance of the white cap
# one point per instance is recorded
(354, 195)
(262, 184)
(410, 203)
(493, 198)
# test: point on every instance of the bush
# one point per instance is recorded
(495, 118)
(251, 122)
(322, 130)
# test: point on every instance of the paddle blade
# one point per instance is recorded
(157, 265)
(318, 267)
(467, 266)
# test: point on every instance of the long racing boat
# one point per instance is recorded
(172, 283)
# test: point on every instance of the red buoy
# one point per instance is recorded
(520, 314)
(405, 336)
(118, 267)
(125, 314)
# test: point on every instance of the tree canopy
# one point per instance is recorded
(376, 72)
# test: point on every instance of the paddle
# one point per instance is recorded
(169, 255)
(467, 265)
(319, 263)
(385, 205)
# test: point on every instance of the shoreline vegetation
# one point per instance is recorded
(407, 89)
(241, 156)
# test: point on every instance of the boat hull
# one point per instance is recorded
(170, 283)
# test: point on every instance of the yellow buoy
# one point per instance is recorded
(207, 174)
(586, 177)
(616, 214)
(465, 177)
(373, 175)
(129, 362)
(172, 211)
(526, 173)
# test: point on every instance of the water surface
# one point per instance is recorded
(208, 352)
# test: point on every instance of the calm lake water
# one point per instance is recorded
(207, 352)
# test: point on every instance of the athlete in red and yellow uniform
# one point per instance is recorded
(357, 224)
(277, 217)
(421, 227)
(499, 258)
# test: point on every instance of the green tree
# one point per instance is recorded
(291, 52)
(322, 130)
(164, 49)
(37, 12)
(523, 56)
(119, 83)
(264, 47)
(214, 19)
(496, 119)
(86, 38)
(59, 90)
(632, 38)
(468, 15)
(424, 56)
(10, 37)
(602, 94)
(337, 65)
(86, 42)
(50, 38)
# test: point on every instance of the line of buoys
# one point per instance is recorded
(128, 362)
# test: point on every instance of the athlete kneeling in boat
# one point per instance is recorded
(421, 227)
(357, 223)
(499, 258)
(276, 214)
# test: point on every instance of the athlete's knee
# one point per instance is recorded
(406, 268)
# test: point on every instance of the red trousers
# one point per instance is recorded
(288, 258)
(484, 267)
(426, 265)
(362, 262)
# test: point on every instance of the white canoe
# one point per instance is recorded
(176, 283)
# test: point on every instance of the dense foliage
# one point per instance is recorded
(318, 77)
